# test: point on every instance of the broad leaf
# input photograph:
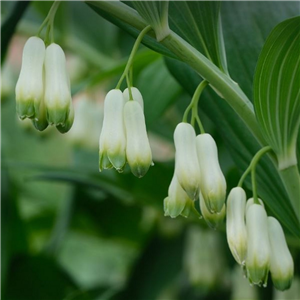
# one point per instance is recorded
(198, 22)
(276, 90)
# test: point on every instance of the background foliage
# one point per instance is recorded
(69, 232)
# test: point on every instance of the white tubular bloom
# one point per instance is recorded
(177, 200)
(57, 86)
(215, 219)
(212, 184)
(136, 94)
(251, 202)
(258, 246)
(30, 86)
(281, 264)
(112, 142)
(235, 224)
(186, 161)
(138, 151)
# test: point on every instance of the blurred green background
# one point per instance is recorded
(70, 232)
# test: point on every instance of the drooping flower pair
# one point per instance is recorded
(198, 175)
(124, 137)
(43, 89)
(257, 241)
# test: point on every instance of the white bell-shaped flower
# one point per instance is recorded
(281, 263)
(136, 95)
(177, 200)
(58, 99)
(215, 219)
(138, 151)
(258, 246)
(186, 161)
(30, 85)
(251, 202)
(112, 142)
(212, 184)
(235, 224)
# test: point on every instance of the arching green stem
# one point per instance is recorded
(131, 57)
(194, 106)
(252, 168)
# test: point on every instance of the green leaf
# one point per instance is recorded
(276, 91)
(198, 22)
(159, 90)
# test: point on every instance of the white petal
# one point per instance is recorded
(258, 247)
(30, 86)
(112, 138)
(212, 184)
(235, 224)
(138, 151)
(186, 161)
(281, 263)
(136, 94)
(57, 86)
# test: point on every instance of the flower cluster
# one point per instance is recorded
(43, 89)
(257, 241)
(197, 175)
(124, 136)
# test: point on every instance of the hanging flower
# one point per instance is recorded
(112, 142)
(58, 99)
(258, 247)
(136, 95)
(212, 184)
(138, 151)
(215, 219)
(281, 262)
(186, 161)
(235, 224)
(30, 86)
(178, 202)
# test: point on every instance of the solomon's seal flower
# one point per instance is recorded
(136, 94)
(186, 162)
(177, 200)
(281, 262)
(30, 86)
(215, 219)
(235, 224)
(138, 151)
(212, 184)
(258, 246)
(58, 99)
(112, 142)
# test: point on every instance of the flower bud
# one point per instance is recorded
(138, 151)
(186, 161)
(251, 202)
(212, 220)
(281, 261)
(212, 184)
(177, 200)
(57, 87)
(112, 142)
(136, 95)
(258, 247)
(30, 86)
(235, 224)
